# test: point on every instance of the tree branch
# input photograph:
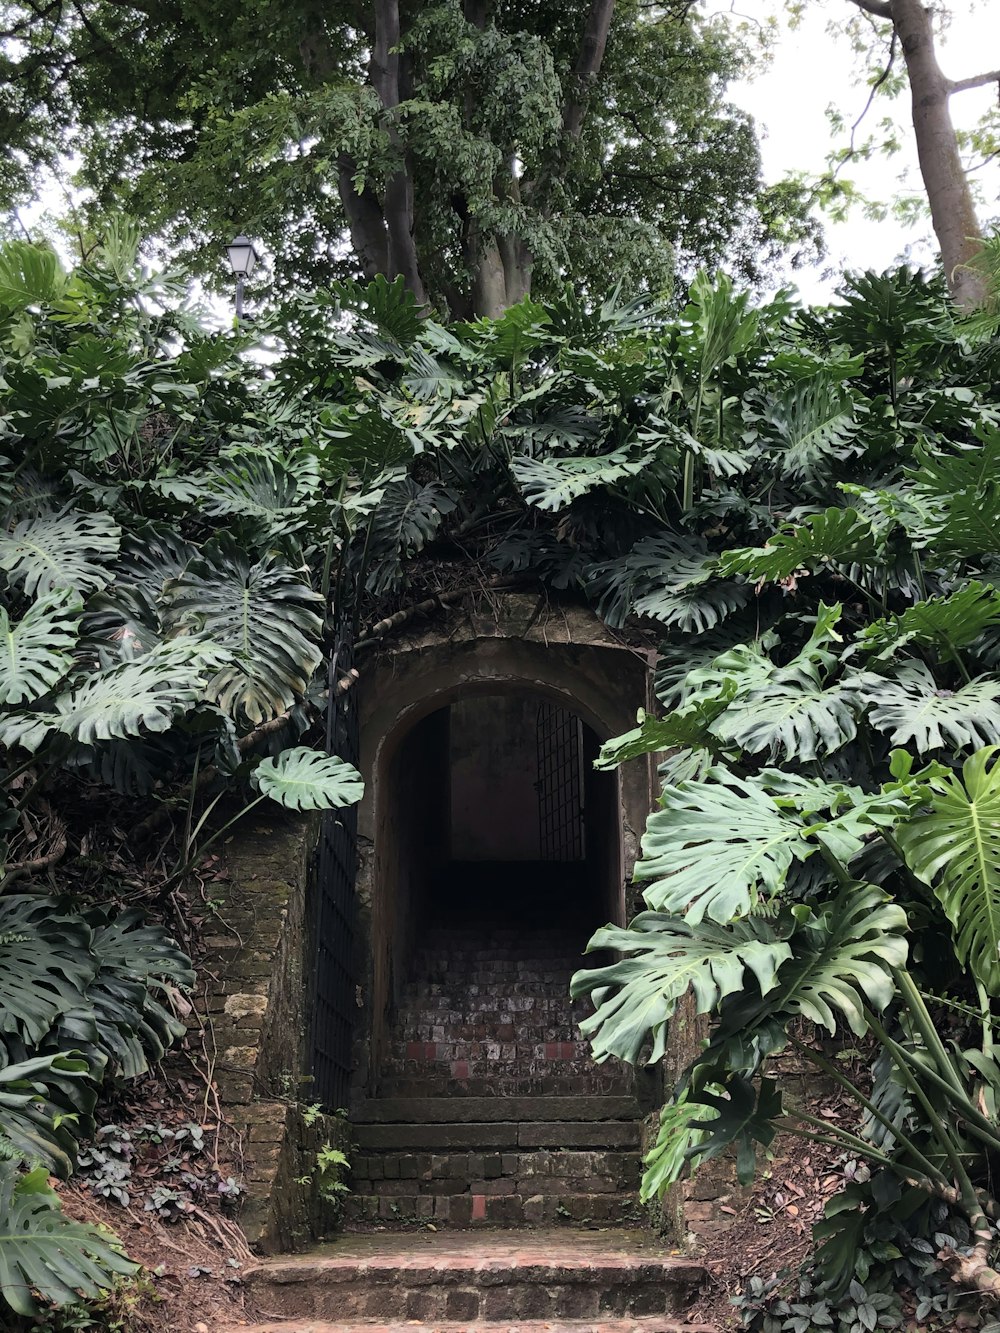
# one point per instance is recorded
(879, 8)
(977, 81)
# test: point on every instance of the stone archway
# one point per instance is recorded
(515, 648)
(472, 921)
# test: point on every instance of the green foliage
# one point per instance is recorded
(302, 779)
(663, 174)
(45, 1257)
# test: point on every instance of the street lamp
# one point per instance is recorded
(243, 259)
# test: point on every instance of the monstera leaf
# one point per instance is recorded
(954, 845)
(684, 727)
(57, 551)
(793, 716)
(304, 779)
(138, 965)
(676, 1141)
(637, 995)
(137, 697)
(717, 848)
(910, 707)
(839, 535)
(813, 424)
(264, 614)
(46, 1105)
(45, 964)
(942, 622)
(844, 955)
(255, 489)
(744, 1115)
(36, 653)
(30, 275)
(45, 1258)
(553, 483)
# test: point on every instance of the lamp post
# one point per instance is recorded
(243, 260)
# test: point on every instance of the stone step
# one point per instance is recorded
(639, 1324)
(454, 1047)
(459, 985)
(442, 1110)
(622, 1134)
(591, 1083)
(537, 1206)
(565, 1170)
(550, 1275)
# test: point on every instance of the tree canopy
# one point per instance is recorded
(481, 151)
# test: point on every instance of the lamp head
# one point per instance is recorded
(243, 257)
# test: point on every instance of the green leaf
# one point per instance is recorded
(676, 1142)
(942, 622)
(45, 964)
(143, 696)
(254, 487)
(840, 536)
(813, 423)
(304, 779)
(915, 712)
(793, 716)
(687, 726)
(139, 969)
(717, 848)
(58, 551)
(745, 1115)
(37, 652)
(553, 483)
(263, 614)
(46, 1259)
(844, 955)
(954, 845)
(636, 996)
(30, 275)
(46, 1105)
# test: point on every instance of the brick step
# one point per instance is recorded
(517, 1009)
(604, 1208)
(621, 1134)
(515, 1084)
(453, 1047)
(639, 1324)
(526, 1032)
(458, 984)
(452, 1172)
(439, 1110)
(566, 1274)
(503, 962)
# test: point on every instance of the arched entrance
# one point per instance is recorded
(492, 851)
(493, 818)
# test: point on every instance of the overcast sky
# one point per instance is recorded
(810, 70)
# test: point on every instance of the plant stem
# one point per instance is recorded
(928, 1168)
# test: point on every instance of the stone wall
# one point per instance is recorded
(252, 1010)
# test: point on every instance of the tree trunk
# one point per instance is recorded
(398, 205)
(953, 213)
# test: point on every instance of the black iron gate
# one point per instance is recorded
(560, 786)
(334, 998)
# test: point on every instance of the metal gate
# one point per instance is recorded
(560, 785)
(334, 1000)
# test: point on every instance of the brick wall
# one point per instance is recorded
(253, 1013)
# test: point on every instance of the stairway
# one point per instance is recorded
(490, 1109)
(489, 1112)
(555, 1281)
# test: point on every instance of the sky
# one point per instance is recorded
(809, 71)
